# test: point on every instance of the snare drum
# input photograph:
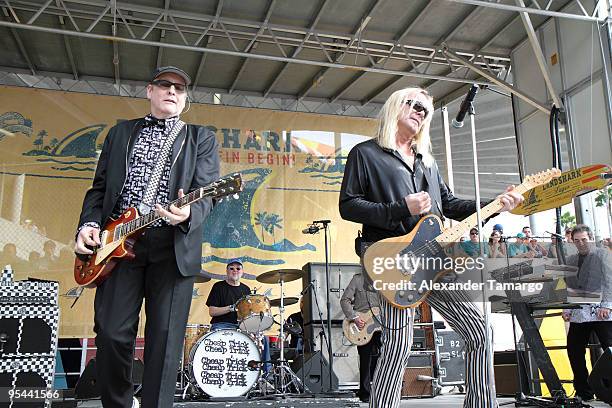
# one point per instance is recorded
(219, 363)
(192, 333)
(254, 313)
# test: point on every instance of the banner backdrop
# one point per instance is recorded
(292, 164)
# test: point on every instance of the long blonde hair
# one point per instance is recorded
(387, 123)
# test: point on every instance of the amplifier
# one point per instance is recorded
(418, 377)
(27, 292)
(339, 277)
(29, 320)
(346, 358)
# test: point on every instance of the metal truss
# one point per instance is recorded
(107, 86)
(543, 7)
(140, 24)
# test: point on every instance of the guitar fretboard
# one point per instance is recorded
(454, 234)
(147, 219)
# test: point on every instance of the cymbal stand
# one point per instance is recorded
(283, 368)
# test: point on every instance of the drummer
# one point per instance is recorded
(222, 301)
(225, 294)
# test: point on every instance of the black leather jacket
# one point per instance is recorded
(375, 182)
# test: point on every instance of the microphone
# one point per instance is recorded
(312, 229)
(555, 234)
(465, 106)
(322, 222)
(253, 365)
(605, 176)
(312, 282)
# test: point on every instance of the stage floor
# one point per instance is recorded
(441, 401)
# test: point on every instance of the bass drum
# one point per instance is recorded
(219, 363)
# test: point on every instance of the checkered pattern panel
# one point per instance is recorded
(49, 314)
(28, 292)
(14, 371)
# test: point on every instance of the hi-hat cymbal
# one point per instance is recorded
(286, 302)
(201, 278)
(278, 275)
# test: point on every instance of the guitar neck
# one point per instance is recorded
(454, 234)
(144, 220)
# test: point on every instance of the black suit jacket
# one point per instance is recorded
(195, 163)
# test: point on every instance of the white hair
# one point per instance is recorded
(390, 114)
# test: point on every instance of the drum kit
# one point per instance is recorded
(228, 362)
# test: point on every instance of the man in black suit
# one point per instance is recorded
(146, 163)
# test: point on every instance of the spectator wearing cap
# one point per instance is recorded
(520, 249)
(145, 164)
(533, 244)
(500, 228)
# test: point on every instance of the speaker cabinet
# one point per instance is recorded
(339, 277)
(600, 379)
(29, 320)
(313, 370)
(87, 386)
(346, 357)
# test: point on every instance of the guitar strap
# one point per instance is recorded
(430, 184)
(150, 194)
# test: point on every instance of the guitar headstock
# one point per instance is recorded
(226, 186)
(540, 178)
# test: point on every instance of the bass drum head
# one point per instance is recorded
(219, 363)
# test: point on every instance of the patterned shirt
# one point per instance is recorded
(144, 156)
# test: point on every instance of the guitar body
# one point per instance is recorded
(91, 270)
(419, 243)
(119, 235)
(363, 336)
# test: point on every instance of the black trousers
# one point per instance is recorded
(577, 341)
(368, 357)
(153, 276)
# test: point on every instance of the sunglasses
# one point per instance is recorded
(162, 83)
(417, 106)
(473, 233)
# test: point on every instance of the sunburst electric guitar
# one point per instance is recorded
(426, 241)
(119, 235)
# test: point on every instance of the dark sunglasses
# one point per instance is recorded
(417, 106)
(167, 84)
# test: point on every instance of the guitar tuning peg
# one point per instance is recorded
(220, 200)
(235, 196)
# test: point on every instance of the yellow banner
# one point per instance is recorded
(292, 163)
(561, 190)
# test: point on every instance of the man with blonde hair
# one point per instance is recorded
(389, 183)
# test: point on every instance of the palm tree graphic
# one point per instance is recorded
(274, 221)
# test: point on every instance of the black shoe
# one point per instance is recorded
(364, 398)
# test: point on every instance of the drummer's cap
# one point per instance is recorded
(234, 260)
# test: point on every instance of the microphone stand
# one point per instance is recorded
(485, 308)
(330, 366)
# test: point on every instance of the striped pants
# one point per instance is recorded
(465, 318)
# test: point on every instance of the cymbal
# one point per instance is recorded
(201, 278)
(278, 275)
(286, 302)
